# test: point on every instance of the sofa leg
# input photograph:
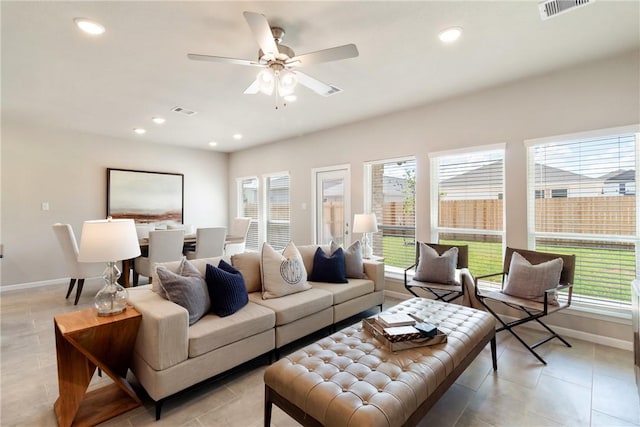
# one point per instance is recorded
(159, 408)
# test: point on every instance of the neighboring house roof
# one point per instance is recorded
(620, 176)
(481, 175)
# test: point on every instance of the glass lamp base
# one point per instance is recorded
(112, 298)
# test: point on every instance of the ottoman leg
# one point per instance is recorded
(493, 353)
(267, 407)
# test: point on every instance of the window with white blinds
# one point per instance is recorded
(277, 210)
(468, 207)
(391, 196)
(582, 201)
(249, 206)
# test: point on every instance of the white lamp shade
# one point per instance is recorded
(108, 240)
(365, 223)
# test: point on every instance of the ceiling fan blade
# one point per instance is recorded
(197, 57)
(316, 85)
(262, 32)
(253, 88)
(326, 55)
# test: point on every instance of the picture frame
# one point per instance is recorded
(146, 197)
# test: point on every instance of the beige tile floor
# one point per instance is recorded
(587, 385)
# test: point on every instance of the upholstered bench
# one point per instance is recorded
(351, 379)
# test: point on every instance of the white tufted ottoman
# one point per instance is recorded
(351, 379)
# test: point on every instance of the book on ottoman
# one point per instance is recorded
(390, 320)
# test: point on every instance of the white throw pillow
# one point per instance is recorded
(282, 273)
(531, 281)
(436, 268)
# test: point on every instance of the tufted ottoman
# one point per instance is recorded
(351, 379)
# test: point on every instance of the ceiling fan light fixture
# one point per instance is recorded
(450, 35)
(266, 81)
(287, 81)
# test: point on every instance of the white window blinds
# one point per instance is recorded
(391, 192)
(278, 217)
(249, 207)
(468, 202)
(582, 201)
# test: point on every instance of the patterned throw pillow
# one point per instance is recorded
(436, 268)
(226, 288)
(282, 273)
(328, 268)
(352, 260)
(186, 288)
(531, 281)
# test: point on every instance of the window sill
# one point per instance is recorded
(609, 314)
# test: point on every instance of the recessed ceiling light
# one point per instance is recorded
(139, 131)
(450, 34)
(88, 26)
(158, 120)
(237, 136)
(290, 98)
(213, 144)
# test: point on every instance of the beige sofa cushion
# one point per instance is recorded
(295, 306)
(212, 331)
(346, 291)
(248, 264)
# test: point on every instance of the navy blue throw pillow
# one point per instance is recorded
(226, 287)
(329, 269)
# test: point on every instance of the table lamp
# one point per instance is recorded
(365, 223)
(109, 241)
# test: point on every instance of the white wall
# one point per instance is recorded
(68, 170)
(596, 95)
(593, 96)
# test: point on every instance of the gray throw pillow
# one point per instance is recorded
(531, 281)
(436, 268)
(187, 289)
(354, 266)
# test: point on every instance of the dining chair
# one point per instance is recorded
(77, 270)
(164, 246)
(530, 285)
(236, 240)
(209, 243)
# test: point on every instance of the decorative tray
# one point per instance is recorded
(400, 342)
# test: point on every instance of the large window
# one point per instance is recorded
(595, 215)
(391, 196)
(249, 206)
(467, 205)
(277, 210)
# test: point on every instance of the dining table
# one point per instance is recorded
(127, 264)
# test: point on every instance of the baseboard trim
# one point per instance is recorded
(42, 283)
(571, 333)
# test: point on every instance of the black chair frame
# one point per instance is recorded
(529, 313)
(445, 295)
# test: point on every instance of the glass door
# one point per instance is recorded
(332, 210)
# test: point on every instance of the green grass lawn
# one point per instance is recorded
(594, 275)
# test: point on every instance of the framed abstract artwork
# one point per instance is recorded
(146, 197)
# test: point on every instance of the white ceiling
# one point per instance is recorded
(54, 75)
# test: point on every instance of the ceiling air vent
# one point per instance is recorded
(184, 111)
(551, 8)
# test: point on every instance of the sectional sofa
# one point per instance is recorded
(171, 356)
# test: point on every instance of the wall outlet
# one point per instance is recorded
(44, 206)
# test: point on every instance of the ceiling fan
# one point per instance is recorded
(279, 62)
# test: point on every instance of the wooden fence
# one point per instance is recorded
(591, 215)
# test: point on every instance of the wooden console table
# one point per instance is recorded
(85, 341)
